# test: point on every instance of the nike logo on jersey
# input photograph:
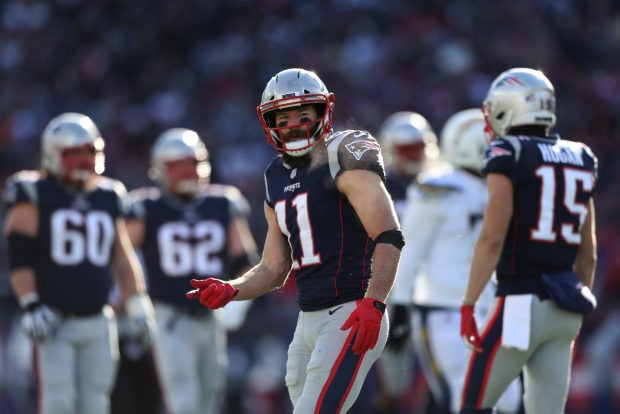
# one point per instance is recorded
(331, 311)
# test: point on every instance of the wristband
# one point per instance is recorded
(380, 306)
(28, 299)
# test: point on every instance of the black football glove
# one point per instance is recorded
(400, 327)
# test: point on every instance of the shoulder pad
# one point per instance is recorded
(352, 149)
(354, 142)
(26, 175)
(440, 181)
(232, 194)
(223, 190)
(111, 184)
(21, 187)
(134, 205)
(143, 193)
(503, 147)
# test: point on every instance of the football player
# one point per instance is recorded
(538, 234)
(332, 225)
(442, 220)
(188, 227)
(67, 239)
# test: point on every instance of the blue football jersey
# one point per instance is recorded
(553, 182)
(330, 249)
(185, 239)
(75, 238)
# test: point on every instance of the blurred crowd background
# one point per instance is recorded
(139, 67)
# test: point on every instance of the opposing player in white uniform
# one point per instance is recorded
(67, 240)
(441, 223)
(188, 227)
(409, 144)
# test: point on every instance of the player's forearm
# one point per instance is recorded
(384, 264)
(585, 262)
(129, 276)
(23, 282)
(486, 255)
(259, 280)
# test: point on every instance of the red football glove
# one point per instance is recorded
(365, 321)
(212, 293)
(469, 329)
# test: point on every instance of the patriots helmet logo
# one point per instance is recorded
(511, 81)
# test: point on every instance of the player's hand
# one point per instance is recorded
(38, 321)
(365, 322)
(400, 327)
(469, 329)
(211, 292)
(141, 318)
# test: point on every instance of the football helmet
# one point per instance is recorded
(462, 139)
(518, 96)
(176, 144)
(408, 140)
(70, 130)
(292, 88)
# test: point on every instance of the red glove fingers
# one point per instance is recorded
(469, 329)
(199, 285)
(212, 293)
(365, 322)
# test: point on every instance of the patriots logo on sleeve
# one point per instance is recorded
(496, 151)
(359, 147)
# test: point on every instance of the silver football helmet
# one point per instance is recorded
(176, 144)
(70, 130)
(519, 96)
(462, 139)
(408, 140)
(292, 88)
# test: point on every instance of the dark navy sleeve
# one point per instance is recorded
(590, 155)
(501, 158)
(136, 202)
(238, 205)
